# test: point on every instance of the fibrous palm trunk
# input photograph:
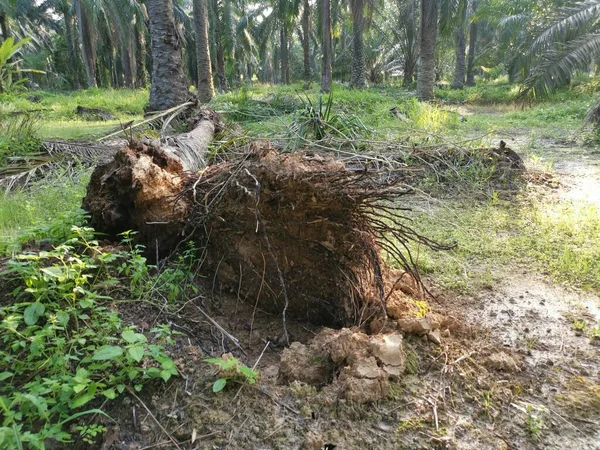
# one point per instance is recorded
(142, 74)
(206, 89)
(71, 48)
(4, 26)
(306, 41)
(88, 44)
(168, 81)
(326, 46)
(459, 68)
(285, 55)
(428, 39)
(357, 79)
(471, 60)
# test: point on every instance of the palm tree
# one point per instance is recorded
(326, 45)
(460, 66)
(568, 43)
(408, 24)
(473, 30)
(205, 85)
(357, 79)
(87, 38)
(428, 38)
(168, 80)
(305, 38)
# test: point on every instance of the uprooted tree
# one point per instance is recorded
(298, 234)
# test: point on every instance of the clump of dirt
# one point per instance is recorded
(144, 184)
(360, 366)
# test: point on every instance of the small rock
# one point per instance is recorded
(502, 361)
(417, 325)
(435, 336)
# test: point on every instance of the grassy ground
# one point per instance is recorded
(558, 236)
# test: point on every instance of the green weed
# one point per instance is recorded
(231, 369)
(534, 424)
(63, 348)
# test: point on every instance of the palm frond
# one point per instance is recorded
(573, 20)
(558, 65)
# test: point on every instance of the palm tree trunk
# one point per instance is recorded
(428, 39)
(68, 17)
(459, 68)
(88, 44)
(127, 62)
(409, 72)
(205, 86)
(326, 46)
(472, 43)
(168, 80)
(357, 79)
(4, 26)
(285, 56)
(306, 41)
(142, 72)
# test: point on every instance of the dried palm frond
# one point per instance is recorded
(21, 170)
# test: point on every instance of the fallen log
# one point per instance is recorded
(296, 234)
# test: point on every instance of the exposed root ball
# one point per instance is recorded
(300, 235)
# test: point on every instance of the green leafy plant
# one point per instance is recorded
(62, 346)
(318, 120)
(8, 68)
(579, 326)
(535, 425)
(231, 369)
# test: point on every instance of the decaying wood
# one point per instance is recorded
(94, 113)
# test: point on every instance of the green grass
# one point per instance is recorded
(37, 210)
(557, 237)
(57, 110)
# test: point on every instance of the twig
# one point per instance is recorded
(171, 438)
(435, 414)
(232, 338)
(261, 355)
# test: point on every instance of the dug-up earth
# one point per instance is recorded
(500, 369)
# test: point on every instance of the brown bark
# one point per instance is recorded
(206, 89)
(168, 80)
(326, 46)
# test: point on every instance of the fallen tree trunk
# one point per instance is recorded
(296, 234)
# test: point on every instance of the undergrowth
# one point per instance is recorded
(64, 348)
